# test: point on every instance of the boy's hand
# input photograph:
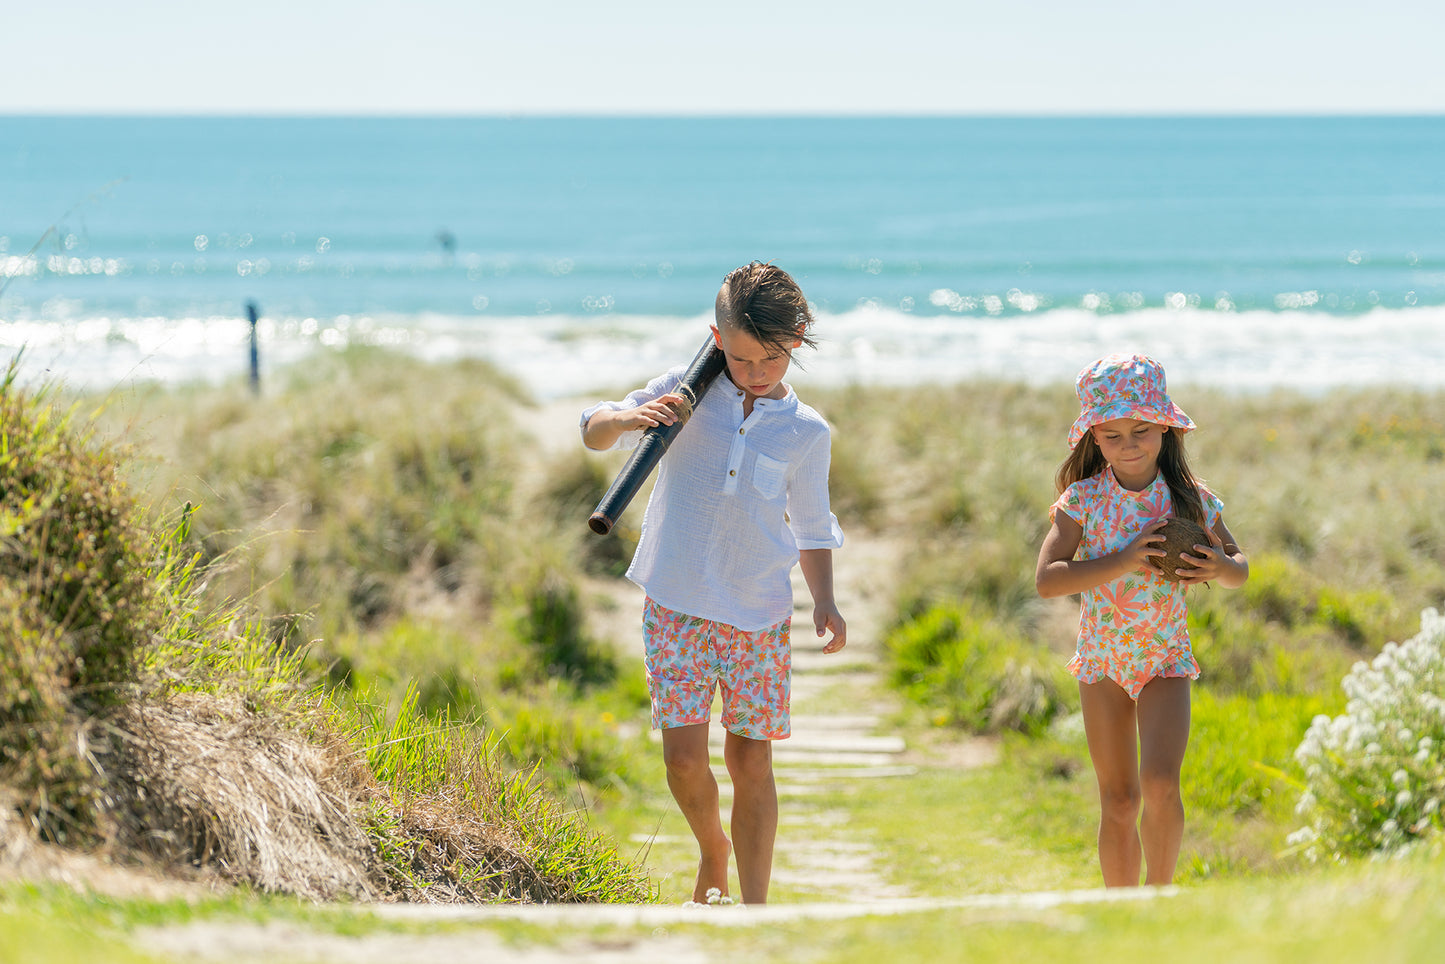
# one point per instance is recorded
(827, 618)
(659, 411)
(606, 426)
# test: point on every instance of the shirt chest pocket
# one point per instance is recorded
(770, 476)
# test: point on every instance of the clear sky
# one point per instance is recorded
(688, 57)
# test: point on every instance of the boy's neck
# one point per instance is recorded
(779, 391)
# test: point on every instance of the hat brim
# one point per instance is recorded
(1167, 414)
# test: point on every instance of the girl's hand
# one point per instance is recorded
(1210, 562)
(659, 411)
(1141, 553)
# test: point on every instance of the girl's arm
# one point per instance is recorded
(1060, 574)
(606, 425)
(1221, 561)
(817, 566)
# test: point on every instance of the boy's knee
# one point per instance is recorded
(685, 761)
(749, 759)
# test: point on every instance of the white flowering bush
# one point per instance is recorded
(1375, 775)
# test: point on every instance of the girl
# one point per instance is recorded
(1126, 474)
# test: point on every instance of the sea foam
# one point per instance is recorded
(559, 355)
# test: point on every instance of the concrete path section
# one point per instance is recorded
(655, 915)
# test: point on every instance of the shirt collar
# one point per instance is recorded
(1146, 493)
(787, 403)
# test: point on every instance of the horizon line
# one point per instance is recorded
(626, 114)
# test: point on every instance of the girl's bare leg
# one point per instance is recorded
(1110, 726)
(1163, 737)
(755, 813)
(689, 777)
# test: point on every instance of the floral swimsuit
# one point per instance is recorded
(1132, 629)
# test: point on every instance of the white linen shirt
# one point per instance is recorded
(735, 500)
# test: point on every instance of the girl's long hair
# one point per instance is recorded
(1087, 461)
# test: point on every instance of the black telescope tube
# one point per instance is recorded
(705, 368)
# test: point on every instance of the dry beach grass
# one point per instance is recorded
(465, 626)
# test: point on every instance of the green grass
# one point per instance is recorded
(1370, 913)
(982, 676)
(1014, 827)
(393, 555)
(1385, 912)
(383, 513)
(114, 603)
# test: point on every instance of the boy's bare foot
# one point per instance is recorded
(712, 872)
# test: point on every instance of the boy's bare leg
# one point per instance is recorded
(689, 777)
(755, 813)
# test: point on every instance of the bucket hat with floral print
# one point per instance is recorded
(1125, 386)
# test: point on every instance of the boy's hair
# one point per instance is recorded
(765, 302)
(1087, 461)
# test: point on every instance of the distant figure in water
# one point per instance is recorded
(448, 241)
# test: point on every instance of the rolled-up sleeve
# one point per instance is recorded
(656, 388)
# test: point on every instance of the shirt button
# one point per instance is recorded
(732, 471)
(742, 431)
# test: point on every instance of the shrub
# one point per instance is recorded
(1238, 744)
(574, 486)
(463, 820)
(1374, 775)
(1241, 654)
(1280, 590)
(976, 672)
(75, 606)
(368, 480)
(551, 624)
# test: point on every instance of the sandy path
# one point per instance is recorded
(840, 737)
(830, 749)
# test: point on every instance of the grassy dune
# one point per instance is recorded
(384, 538)
(395, 514)
(382, 512)
(155, 619)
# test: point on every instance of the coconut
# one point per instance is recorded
(1180, 535)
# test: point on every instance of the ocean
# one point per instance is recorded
(582, 254)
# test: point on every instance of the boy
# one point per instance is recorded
(741, 496)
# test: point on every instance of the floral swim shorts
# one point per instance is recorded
(688, 658)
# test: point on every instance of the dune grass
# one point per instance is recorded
(393, 509)
(150, 710)
(387, 553)
(382, 510)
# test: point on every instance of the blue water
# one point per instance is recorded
(137, 242)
